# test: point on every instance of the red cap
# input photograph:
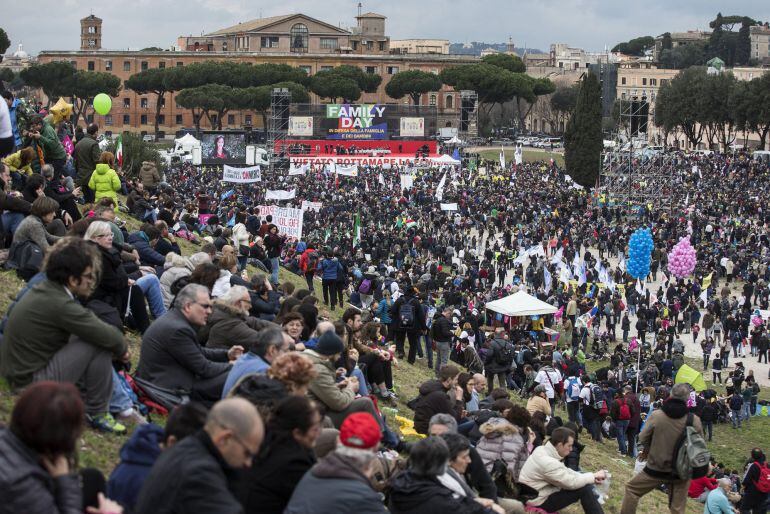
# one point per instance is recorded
(360, 430)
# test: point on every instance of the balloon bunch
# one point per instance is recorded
(639, 251)
(681, 260)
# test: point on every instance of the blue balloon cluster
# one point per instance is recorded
(639, 250)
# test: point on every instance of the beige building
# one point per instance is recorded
(760, 43)
(680, 39)
(18, 60)
(419, 46)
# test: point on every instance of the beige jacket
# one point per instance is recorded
(538, 403)
(545, 472)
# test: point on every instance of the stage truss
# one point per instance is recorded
(469, 114)
(632, 177)
(277, 122)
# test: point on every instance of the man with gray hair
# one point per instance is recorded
(268, 344)
(62, 190)
(197, 474)
(717, 501)
(171, 356)
(230, 323)
(659, 437)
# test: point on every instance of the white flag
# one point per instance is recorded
(639, 287)
(440, 188)
(547, 279)
(280, 195)
(502, 157)
(557, 256)
(381, 179)
(518, 155)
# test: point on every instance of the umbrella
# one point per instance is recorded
(687, 375)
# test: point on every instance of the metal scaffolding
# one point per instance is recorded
(633, 176)
(469, 114)
(277, 123)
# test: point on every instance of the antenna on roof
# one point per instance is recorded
(359, 8)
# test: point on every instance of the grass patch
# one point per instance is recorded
(527, 155)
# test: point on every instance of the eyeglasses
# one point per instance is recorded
(206, 306)
(246, 451)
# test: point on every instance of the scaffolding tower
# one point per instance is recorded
(469, 114)
(277, 123)
(633, 177)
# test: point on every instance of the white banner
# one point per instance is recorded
(280, 194)
(311, 206)
(287, 219)
(297, 169)
(407, 181)
(347, 171)
(412, 127)
(241, 175)
(448, 206)
(300, 125)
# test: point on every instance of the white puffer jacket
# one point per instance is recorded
(502, 440)
(545, 472)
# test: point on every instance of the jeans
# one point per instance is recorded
(120, 401)
(622, 426)
(585, 495)
(428, 341)
(746, 411)
(330, 289)
(631, 434)
(736, 418)
(150, 215)
(706, 361)
(708, 427)
(442, 354)
(573, 411)
(274, 264)
(150, 286)
(309, 279)
(11, 220)
(363, 389)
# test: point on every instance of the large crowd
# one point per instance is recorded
(273, 406)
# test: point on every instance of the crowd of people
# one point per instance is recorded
(274, 407)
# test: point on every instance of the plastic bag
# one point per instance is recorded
(603, 488)
(639, 466)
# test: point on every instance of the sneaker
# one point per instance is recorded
(131, 417)
(106, 423)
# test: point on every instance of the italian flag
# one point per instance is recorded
(119, 150)
(357, 230)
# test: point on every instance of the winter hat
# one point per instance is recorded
(329, 344)
(360, 430)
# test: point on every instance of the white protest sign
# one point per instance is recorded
(448, 206)
(347, 171)
(297, 170)
(407, 181)
(280, 194)
(241, 175)
(287, 219)
(311, 206)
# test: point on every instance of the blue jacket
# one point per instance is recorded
(717, 503)
(136, 459)
(147, 254)
(14, 122)
(247, 364)
(328, 268)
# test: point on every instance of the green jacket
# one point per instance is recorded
(105, 182)
(49, 142)
(41, 323)
(324, 387)
(86, 155)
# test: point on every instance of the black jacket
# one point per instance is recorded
(412, 494)
(268, 485)
(419, 313)
(434, 399)
(191, 477)
(493, 363)
(441, 331)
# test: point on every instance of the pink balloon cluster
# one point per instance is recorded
(681, 260)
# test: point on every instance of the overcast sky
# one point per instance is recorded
(590, 24)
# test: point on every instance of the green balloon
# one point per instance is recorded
(102, 103)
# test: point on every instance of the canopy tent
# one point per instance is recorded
(520, 304)
(444, 159)
(186, 143)
(455, 141)
(687, 375)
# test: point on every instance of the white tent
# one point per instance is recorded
(186, 143)
(520, 304)
(455, 141)
(445, 159)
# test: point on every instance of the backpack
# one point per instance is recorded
(763, 482)
(691, 456)
(573, 389)
(597, 398)
(365, 287)
(736, 402)
(624, 413)
(406, 315)
(312, 261)
(26, 258)
(505, 355)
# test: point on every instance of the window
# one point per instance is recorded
(330, 43)
(381, 45)
(370, 69)
(231, 119)
(162, 65)
(126, 103)
(179, 64)
(214, 119)
(91, 65)
(144, 65)
(126, 119)
(247, 120)
(242, 43)
(354, 45)
(432, 101)
(161, 119)
(623, 80)
(143, 119)
(450, 101)
(644, 81)
(179, 119)
(268, 42)
(327, 68)
(561, 64)
(143, 103)
(299, 34)
(108, 119)
(92, 30)
(307, 69)
(126, 65)
(653, 82)
(663, 82)
(224, 46)
(392, 70)
(107, 65)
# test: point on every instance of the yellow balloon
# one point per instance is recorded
(61, 111)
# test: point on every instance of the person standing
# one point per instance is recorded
(87, 155)
(441, 333)
(621, 413)
(329, 268)
(7, 141)
(591, 395)
(409, 322)
(498, 360)
(736, 407)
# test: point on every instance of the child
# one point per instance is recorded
(608, 428)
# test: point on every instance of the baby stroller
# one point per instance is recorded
(723, 411)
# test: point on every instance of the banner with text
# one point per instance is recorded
(448, 206)
(347, 171)
(412, 127)
(311, 206)
(280, 194)
(241, 175)
(287, 219)
(300, 125)
(359, 122)
(297, 169)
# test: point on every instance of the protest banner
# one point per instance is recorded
(448, 206)
(311, 206)
(280, 194)
(287, 219)
(241, 175)
(347, 171)
(297, 169)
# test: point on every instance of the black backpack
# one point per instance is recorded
(505, 354)
(407, 315)
(26, 258)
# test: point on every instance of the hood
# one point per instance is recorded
(301, 247)
(334, 466)
(225, 311)
(497, 427)
(674, 408)
(410, 492)
(431, 386)
(147, 166)
(102, 169)
(144, 445)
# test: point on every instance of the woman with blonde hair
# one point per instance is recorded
(104, 180)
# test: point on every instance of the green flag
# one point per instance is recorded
(357, 230)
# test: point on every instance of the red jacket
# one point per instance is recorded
(698, 485)
(303, 259)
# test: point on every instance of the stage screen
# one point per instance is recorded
(223, 147)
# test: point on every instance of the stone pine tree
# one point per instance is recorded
(743, 46)
(583, 137)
